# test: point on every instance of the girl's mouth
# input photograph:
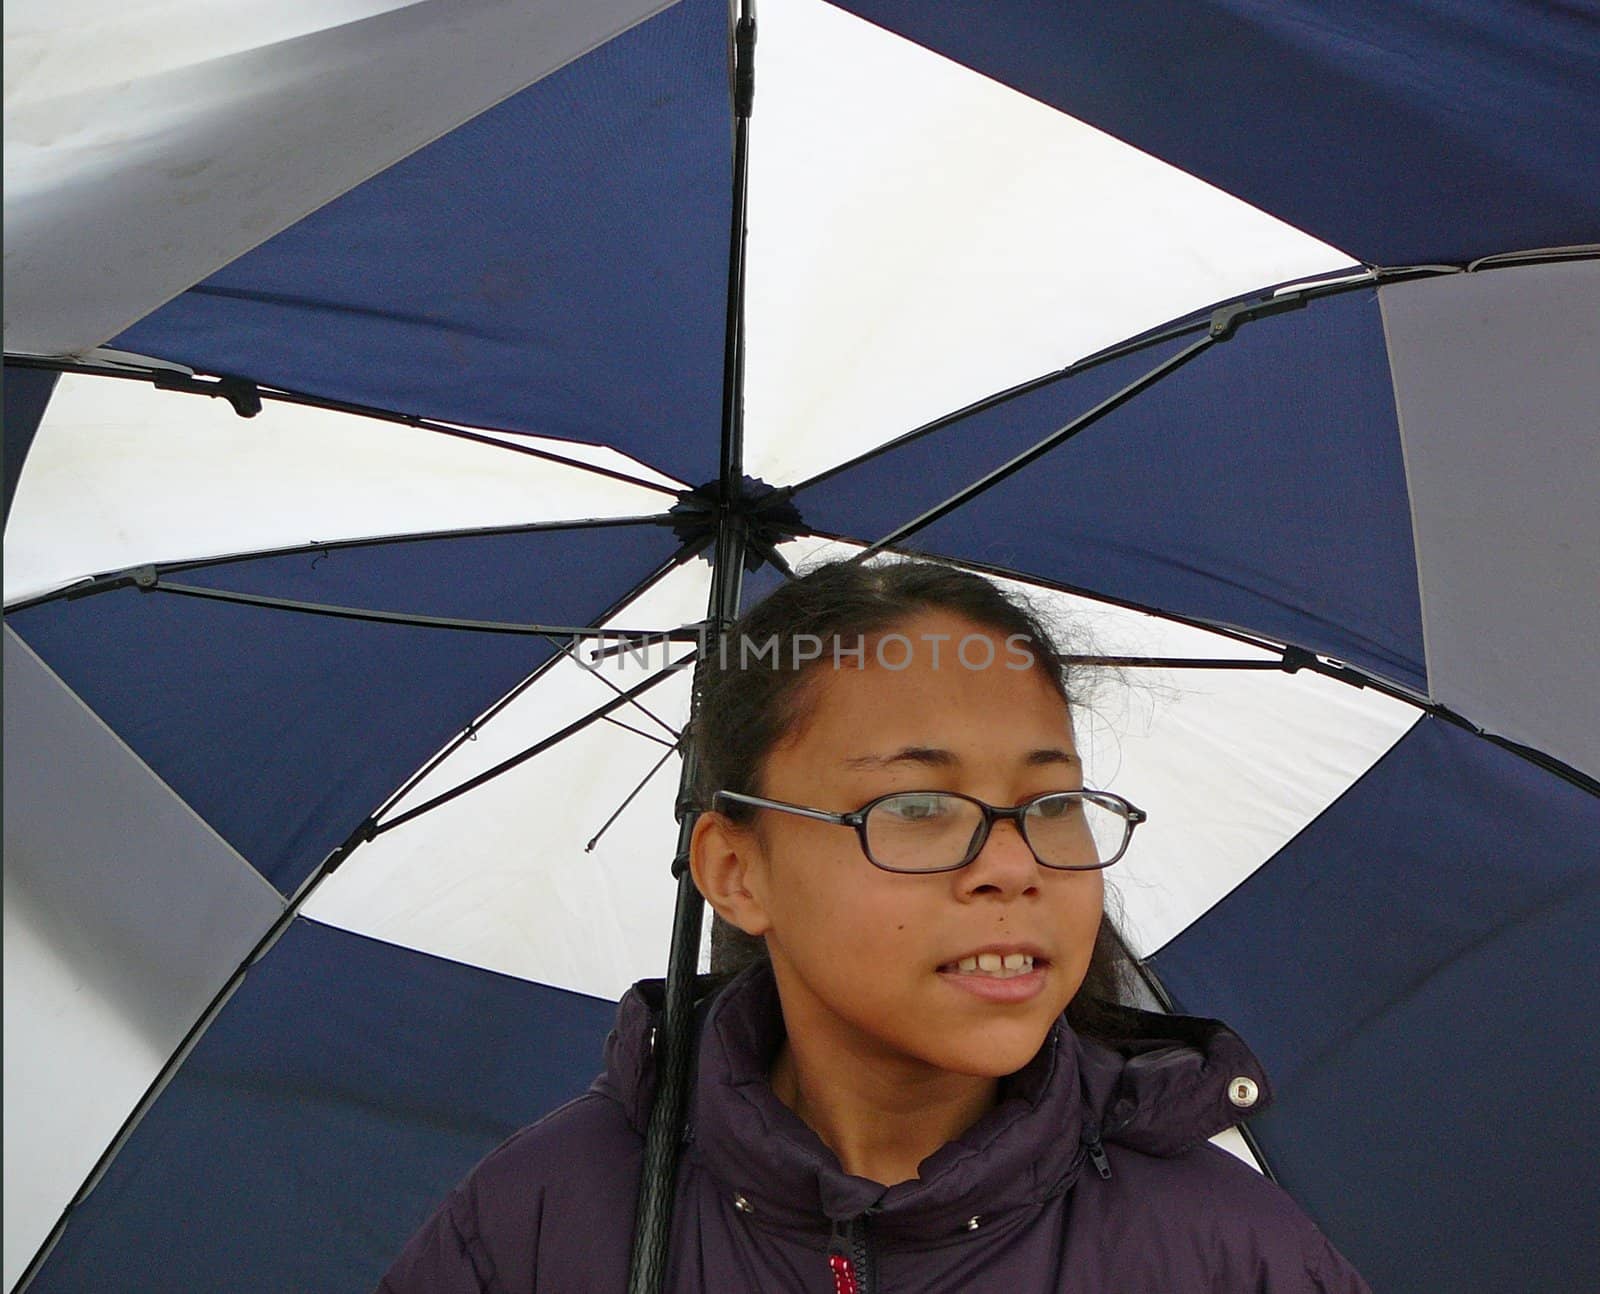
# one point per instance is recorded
(1000, 978)
(992, 965)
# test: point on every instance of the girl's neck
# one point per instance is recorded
(880, 1125)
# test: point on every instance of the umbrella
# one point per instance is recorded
(257, 999)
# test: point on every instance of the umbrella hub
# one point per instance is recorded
(765, 513)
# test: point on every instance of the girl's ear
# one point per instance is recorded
(725, 858)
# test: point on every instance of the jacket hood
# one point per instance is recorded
(1161, 1087)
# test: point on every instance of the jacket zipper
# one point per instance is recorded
(1096, 1149)
(850, 1257)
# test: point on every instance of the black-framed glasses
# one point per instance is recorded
(941, 831)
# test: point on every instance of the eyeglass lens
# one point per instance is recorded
(931, 830)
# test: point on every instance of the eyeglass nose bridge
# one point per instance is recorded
(1130, 814)
(991, 815)
(980, 836)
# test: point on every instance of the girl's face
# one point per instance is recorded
(867, 961)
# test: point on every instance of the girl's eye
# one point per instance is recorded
(915, 808)
(1053, 807)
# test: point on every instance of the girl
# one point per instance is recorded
(921, 1081)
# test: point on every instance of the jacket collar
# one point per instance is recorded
(1161, 1089)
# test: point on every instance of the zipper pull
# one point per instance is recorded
(839, 1260)
(1097, 1151)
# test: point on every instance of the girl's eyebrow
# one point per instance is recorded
(935, 757)
(1053, 755)
(926, 756)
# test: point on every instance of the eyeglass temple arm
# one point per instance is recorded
(1130, 811)
(819, 815)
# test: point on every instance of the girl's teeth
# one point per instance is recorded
(994, 964)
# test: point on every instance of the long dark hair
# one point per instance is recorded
(749, 700)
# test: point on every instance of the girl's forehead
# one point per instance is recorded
(937, 681)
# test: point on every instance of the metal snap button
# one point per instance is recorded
(972, 1223)
(1243, 1092)
(743, 1205)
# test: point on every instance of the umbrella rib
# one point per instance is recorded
(522, 757)
(130, 575)
(246, 397)
(1287, 657)
(569, 650)
(640, 732)
(1348, 673)
(1176, 662)
(470, 732)
(1566, 772)
(631, 796)
(1079, 424)
(1001, 572)
(1168, 332)
(1001, 397)
(1290, 660)
(1293, 659)
(476, 437)
(771, 553)
(1334, 283)
(422, 537)
(414, 620)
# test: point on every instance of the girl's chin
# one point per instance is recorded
(991, 1054)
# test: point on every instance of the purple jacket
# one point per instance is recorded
(1092, 1174)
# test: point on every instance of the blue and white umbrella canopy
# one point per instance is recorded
(508, 227)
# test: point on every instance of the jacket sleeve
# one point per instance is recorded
(1259, 1240)
(549, 1211)
(447, 1255)
(1327, 1270)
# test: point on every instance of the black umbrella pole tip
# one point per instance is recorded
(744, 66)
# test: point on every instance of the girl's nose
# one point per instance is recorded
(1005, 864)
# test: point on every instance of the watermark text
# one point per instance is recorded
(794, 652)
